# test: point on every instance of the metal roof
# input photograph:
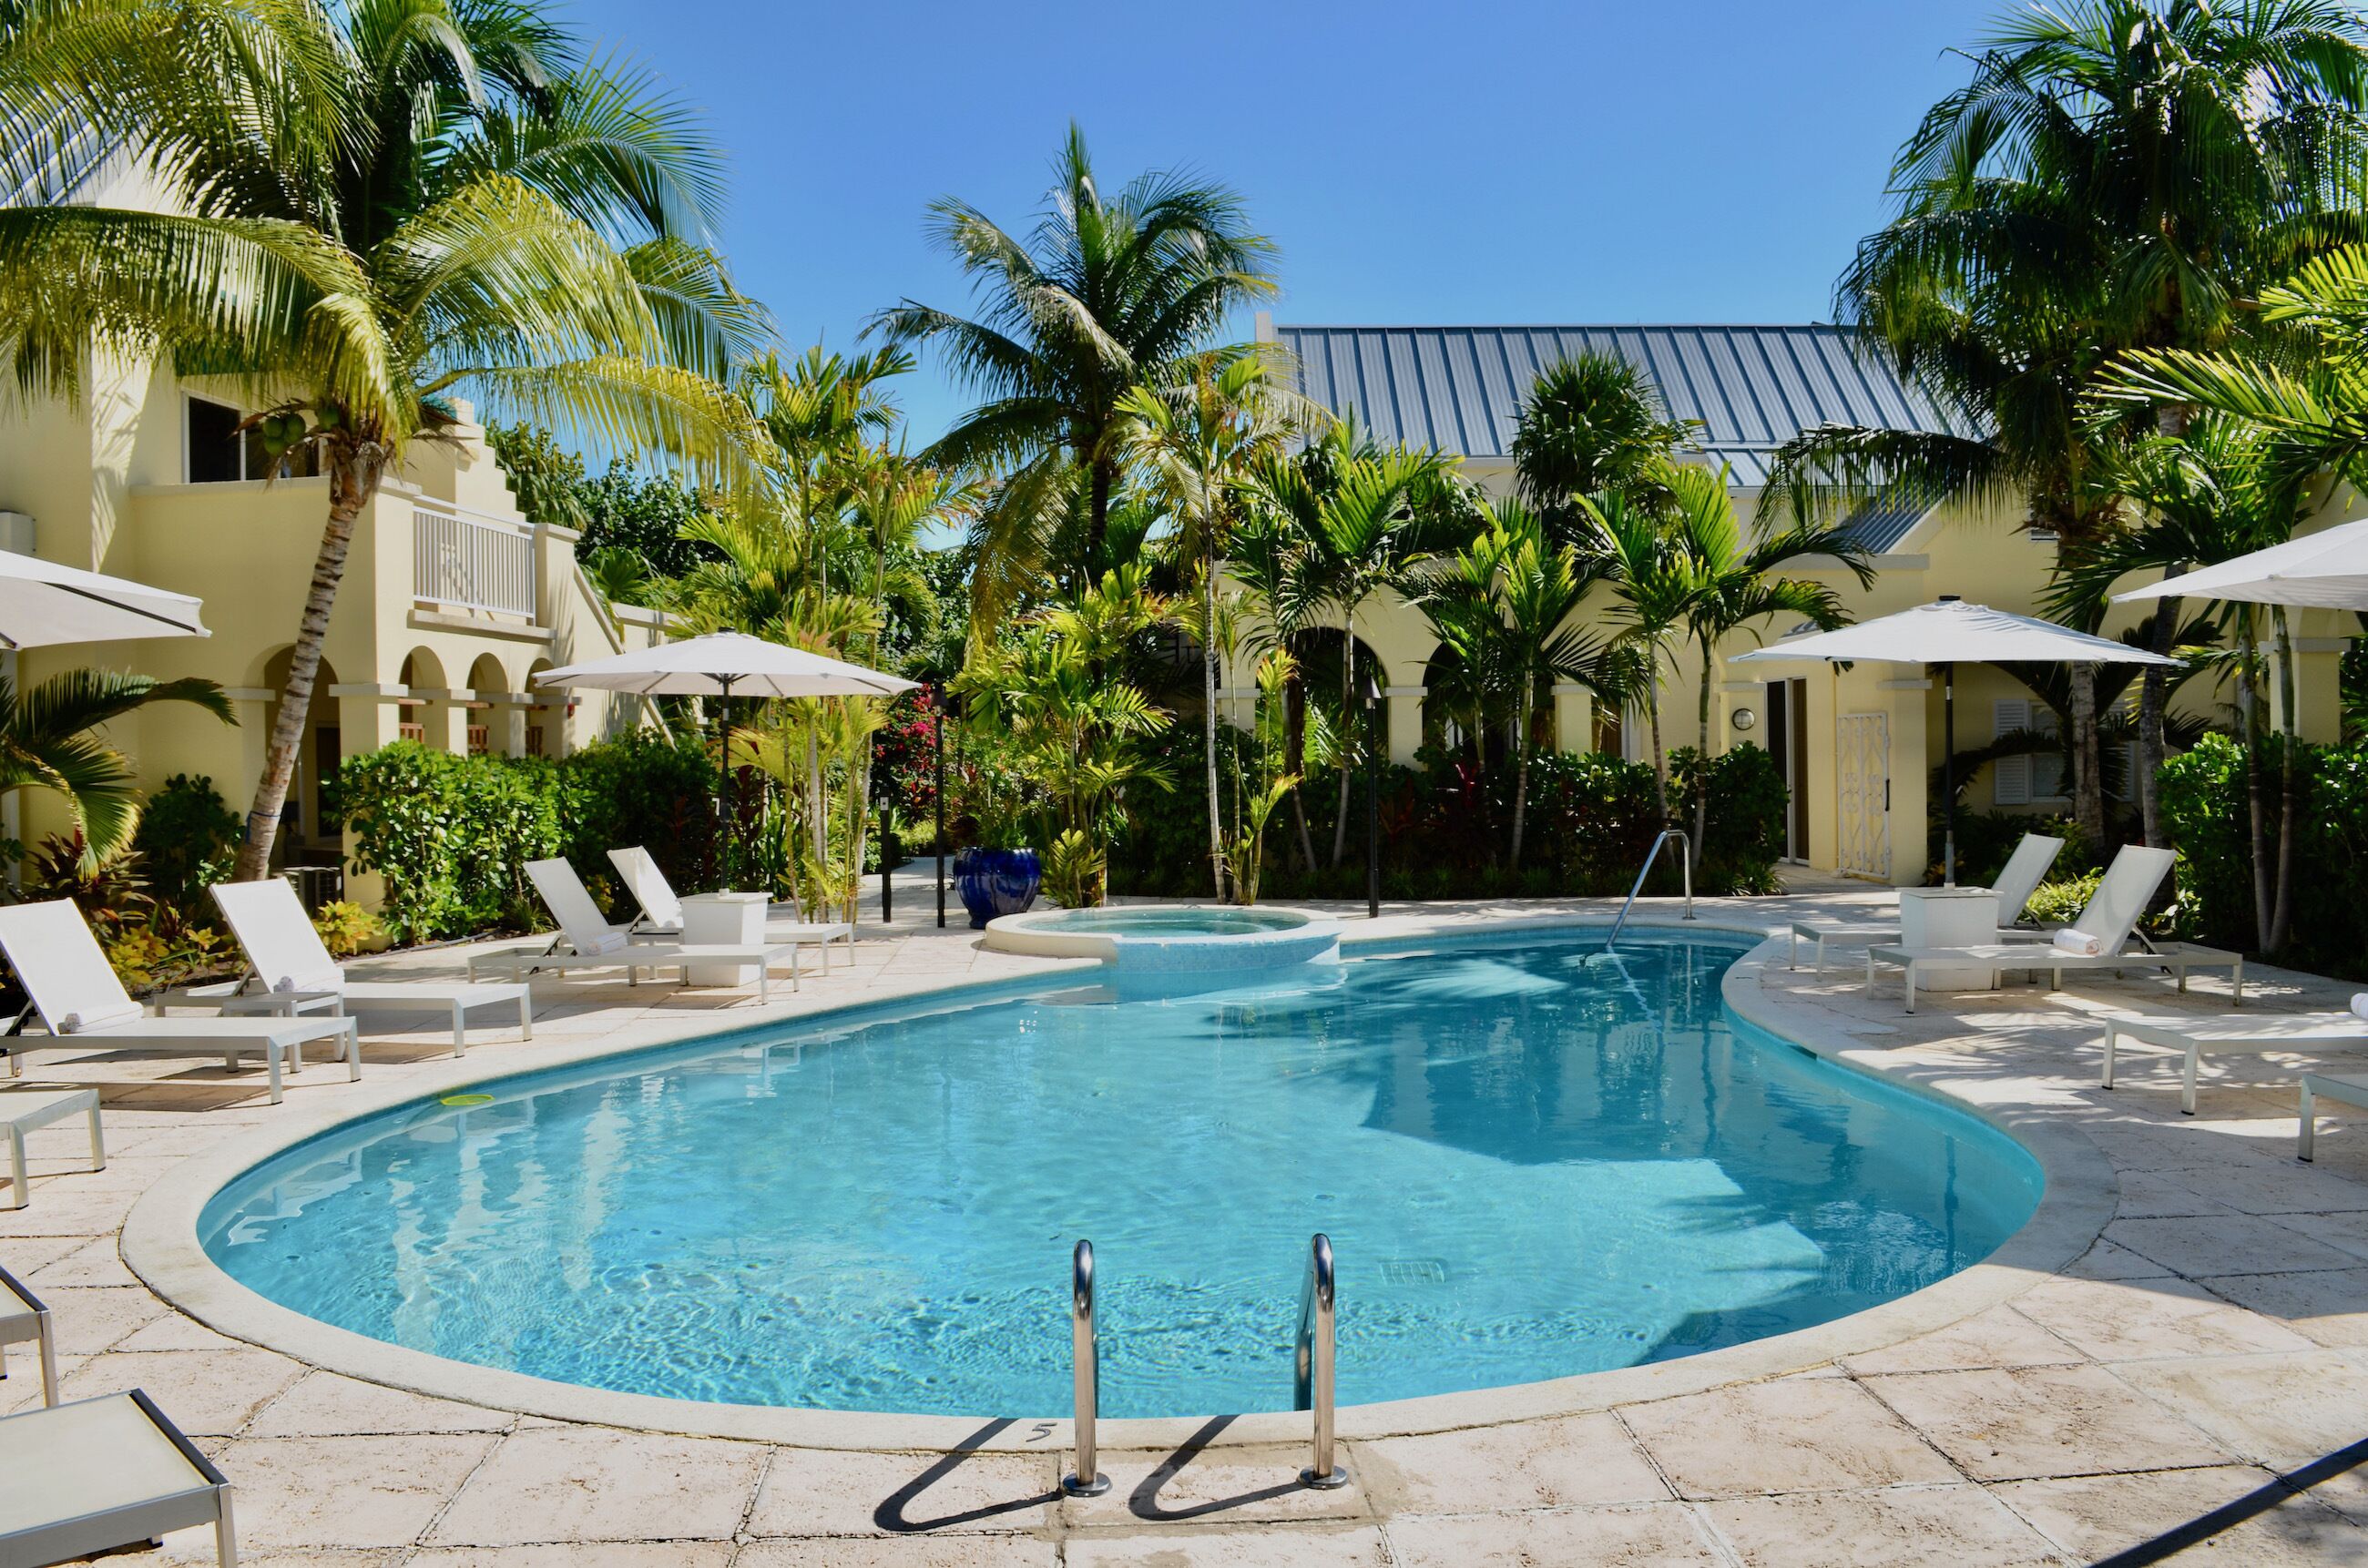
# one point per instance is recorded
(1750, 389)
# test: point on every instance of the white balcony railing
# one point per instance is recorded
(461, 561)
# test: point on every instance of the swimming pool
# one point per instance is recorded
(1531, 1166)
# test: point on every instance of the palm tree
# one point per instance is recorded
(1108, 293)
(1198, 437)
(821, 410)
(1504, 603)
(1737, 583)
(2116, 173)
(2225, 487)
(46, 742)
(377, 209)
(1591, 423)
(1655, 593)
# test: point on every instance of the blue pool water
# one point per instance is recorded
(1531, 1166)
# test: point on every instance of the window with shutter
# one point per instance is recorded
(2024, 780)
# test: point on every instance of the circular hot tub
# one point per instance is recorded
(1171, 937)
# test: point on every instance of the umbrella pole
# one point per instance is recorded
(937, 795)
(1949, 775)
(724, 862)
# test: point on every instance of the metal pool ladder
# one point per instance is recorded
(1313, 1371)
(1685, 864)
(1086, 1479)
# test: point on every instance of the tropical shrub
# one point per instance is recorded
(1444, 829)
(451, 835)
(187, 841)
(2205, 807)
(347, 928)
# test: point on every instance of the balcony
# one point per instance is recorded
(467, 562)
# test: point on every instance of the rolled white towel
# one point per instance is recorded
(326, 980)
(2360, 1004)
(2078, 943)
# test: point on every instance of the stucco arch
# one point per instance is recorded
(304, 829)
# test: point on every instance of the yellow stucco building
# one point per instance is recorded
(1858, 745)
(451, 602)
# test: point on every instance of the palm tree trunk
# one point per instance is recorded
(2088, 786)
(1661, 752)
(2289, 744)
(353, 481)
(1347, 697)
(2249, 712)
(2154, 697)
(1701, 767)
(1209, 699)
(1523, 738)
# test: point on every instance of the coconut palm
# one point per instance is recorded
(1107, 293)
(1504, 603)
(2116, 173)
(46, 742)
(1738, 582)
(375, 209)
(1197, 437)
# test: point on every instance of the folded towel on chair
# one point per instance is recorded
(2078, 943)
(102, 1018)
(2360, 1004)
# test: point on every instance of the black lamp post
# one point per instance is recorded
(1369, 691)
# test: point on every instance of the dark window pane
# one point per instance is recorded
(213, 443)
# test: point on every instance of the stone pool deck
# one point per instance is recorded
(2214, 1338)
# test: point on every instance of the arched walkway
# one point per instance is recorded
(304, 825)
(488, 725)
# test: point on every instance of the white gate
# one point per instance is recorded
(1865, 742)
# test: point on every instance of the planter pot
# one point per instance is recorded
(997, 881)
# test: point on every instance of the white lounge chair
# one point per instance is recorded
(2106, 924)
(82, 1003)
(21, 1111)
(99, 1474)
(587, 940)
(2194, 1039)
(662, 910)
(2345, 1088)
(24, 1317)
(2017, 882)
(286, 956)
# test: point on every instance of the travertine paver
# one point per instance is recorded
(2217, 1335)
(1885, 1528)
(1792, 1435)
(587, 1483)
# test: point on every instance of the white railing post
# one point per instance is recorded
(464, 562)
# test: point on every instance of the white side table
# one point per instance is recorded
(1948, 917)
(726, 919)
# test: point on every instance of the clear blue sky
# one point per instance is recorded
(1529, 162)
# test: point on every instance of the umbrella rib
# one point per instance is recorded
(193, 630)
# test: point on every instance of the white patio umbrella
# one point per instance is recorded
(727, 664)
(1948, 633)
(2324, 571)
(44, 603)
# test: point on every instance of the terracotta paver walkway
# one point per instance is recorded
(2214, 1335)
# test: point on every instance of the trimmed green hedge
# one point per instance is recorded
(451, 835)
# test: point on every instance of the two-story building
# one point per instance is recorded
(1857, 744)
(452, 600)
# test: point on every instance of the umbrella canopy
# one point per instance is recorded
(2325, 571)
(727, 663)
(1955, 632)
(1948, 633)
(43, 604)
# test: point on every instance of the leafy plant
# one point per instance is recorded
(1075, 870)
(347, 928)
(187, 841)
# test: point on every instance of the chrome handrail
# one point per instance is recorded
(1685, 863)
(1086, 1480)
(1315, 1364)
